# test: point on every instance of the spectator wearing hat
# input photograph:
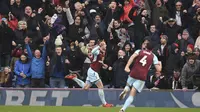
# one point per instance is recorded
(190, 68)
(185, 40)
(171, 29)
(162, 50)
(197, 52)
(189, 50)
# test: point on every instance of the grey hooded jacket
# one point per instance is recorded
(188, 72)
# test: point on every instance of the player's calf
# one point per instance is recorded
(124, 92)
(122, 95)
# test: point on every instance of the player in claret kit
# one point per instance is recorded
(143, 59)
(97, 58)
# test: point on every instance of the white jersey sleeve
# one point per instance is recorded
(96, 51)
(155, 59)
(137, 52)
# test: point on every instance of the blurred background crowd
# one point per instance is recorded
(42, 41)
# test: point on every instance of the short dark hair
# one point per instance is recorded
(149, 45)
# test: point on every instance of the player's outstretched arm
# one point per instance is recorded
(130, 61)
(158, 66)
(95, 51)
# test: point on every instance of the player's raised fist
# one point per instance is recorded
(127, 69)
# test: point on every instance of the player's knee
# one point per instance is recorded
(100, 87)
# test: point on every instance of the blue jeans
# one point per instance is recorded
(57, 82)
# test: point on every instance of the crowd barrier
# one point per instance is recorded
(78, 97)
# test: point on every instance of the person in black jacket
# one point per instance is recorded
(173, 60)
(76, 60)
(6, 38)
(171, 29)
(162, 50)
(58, 68)
(17, 9)
(180, 15)
(120, 76)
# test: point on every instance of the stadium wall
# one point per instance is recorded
(77, 97)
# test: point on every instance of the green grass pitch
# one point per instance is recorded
(88, 109)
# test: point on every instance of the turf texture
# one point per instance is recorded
(89, 109)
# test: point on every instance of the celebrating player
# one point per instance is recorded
(97, 58)
(143, 59)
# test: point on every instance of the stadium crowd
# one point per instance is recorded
(43, 41)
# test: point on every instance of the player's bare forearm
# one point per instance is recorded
(130, 61)
(158, 67)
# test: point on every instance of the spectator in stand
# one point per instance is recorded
(38, 62)
(195, 26)
(173, 60)
(197, 42)
(154, 35)
(17, 9)
(120, 76)
(23, 72)
(20, 33)
(197, 52)
(142, 22)
(185, 40)
(76, 60)
(175, 80)
(6, 42)
(57, 68)
(190, 49)
(77, 31)
(159, 11)
(189, 70)
(180, 14)
(128, 48)
(6, 77)
(171, 29)
(162, 51)
(128, 4)
(16, 53)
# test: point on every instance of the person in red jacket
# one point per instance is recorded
(128, 5)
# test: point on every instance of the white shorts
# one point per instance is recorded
(92, 76)
(136, 83)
